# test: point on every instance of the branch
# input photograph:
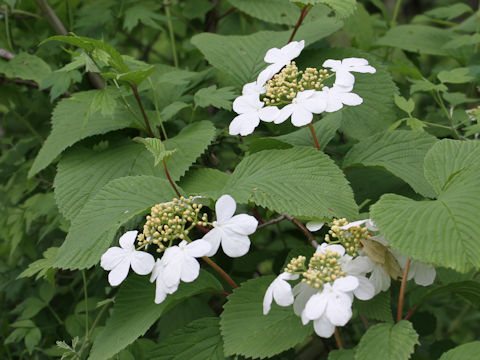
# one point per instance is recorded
(302, 227)
(273, 221)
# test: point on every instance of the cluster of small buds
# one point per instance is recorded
(284, 86)
(170, 221)
(350, 239)
(323, 268)
(296, 264)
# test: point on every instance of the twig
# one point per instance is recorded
(303, 14)
(220, 271)
(144, 114)
(170, 179)
(273, 221)
(402, 291)
(302, 227)
(410, 312)
(338, 339)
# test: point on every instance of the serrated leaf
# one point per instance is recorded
(401, 152)
(274, 11)
(316, 186)
(41, 266)
(455, 76)
(246, 331)
(83, 172)
(415, 124)
(425, 85)
(378, 308)
(25, 66)
(92, 229)
(132, 77)
(468, 351)
(449, 12)
(469, 290)
(341, 354)
(443, 231)
(203, 181)
(219, 98)
(135, 311)
(104, 102)
(198, 340)
(343, 9)
(138, 13)
(404, 104)
(242, 56)
(59, 82)
(388, 342)
(417, 38)
(169, 111)
(72, 122)
(156, 148)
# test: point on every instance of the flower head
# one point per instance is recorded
(251, 110)
(118, 260)
(230, 231)
(280, 291)
(343, 69)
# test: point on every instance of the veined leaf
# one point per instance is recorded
(300, 181)
(246, 331)
(343, 9)
(341, 354)
(203, 181)
(25, 66)
(377, 308)
(198, 340)
(401, 152)
(156, 148)
(468, 351)
(274, 11)
(72, 122)
(220, 98)
(388, 342)
(135, 311)
(93, 228)
(40, 266)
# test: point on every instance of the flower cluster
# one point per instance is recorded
(351, 263)
(170, 222)
(282, 91)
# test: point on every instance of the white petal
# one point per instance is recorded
(333, 64)
(128, 239)
(304, 318)
(355, 223)
(344, 78)
(284, 113)
(157, 270)
(244, 124)
(424, 274)
(112, 257)
(253, 88)
(315, 104)
(268, 113)
(364, 291)
(288, 276)
(119, 273)
(323, 327)
(267, 300)
(353, 61)
(190, 269)
(273, 55)
(142, 262)
(282, 293)
(198, 248)
(315, 306)
(246, 104)
(171, 255)
(339, 310)
(160, 293)
(234, 244)
(314, 225)
(225, 208)
(242, 224)
(293, 49)
(351, 99)
(213, 237)
(339, 249)
(304, 95)
(302, 292)
(347, 283)
(268, 73)
(301, 116)
(172, 273)
(358, 266)
(379, 279)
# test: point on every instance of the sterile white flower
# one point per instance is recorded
(423, 274)
(251, 110)
(278, 58)
(253, 88)
(118, 260)
(368, 223)
(335, 97)
(314, 225)
(379, 277)
(280, 291)
(359, 267)
(302, 108)
(302, 292)
(179, 262)
(231, 231)
(161, 289)
(342, 69)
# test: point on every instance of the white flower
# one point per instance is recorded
(379, 277)
(334, 247)
(280, 290)
(342, 69)
(302, 292)
(423, 274)
(314, 225)
(179, 262)
(251, 111)
(231, 231)
(368, 223)
(278, 58)
(335, 97)
(118, 260)
(254, 88)
(302, 108)
(331, 307)
(161, 289)
(359, 267)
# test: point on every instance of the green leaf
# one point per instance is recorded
(401, 152)
(25, 66)
(246, 331)
(417, 38)
(468, 351)
(274, 11)
(341, 354)
(59, 82)
(425, 85)
(135, 311)
(448, 157)
(132, 77)
(72, 121)
(83, 172)
(443, 231)
(41, 266)
(316, 187)
(343, 9)
(104, 101)
(198, 340)
(156, 148)
(241, 57)
(378, 308)
(172, 109)
(32, 339)
(138, 13)
(455, 76)
(203, 181)
(469, 290)
(388, 342)
(219, 98)
(449, 12)
(415, 124)
(406, 105)
(93, 228)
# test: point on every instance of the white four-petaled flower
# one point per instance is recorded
(335, 97)
(280, 291)
(302, 108)
(231, 231)
(278, 58)
(118, 260)
(251, 110)
(161, 289)
(343, 69)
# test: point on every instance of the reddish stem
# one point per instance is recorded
(337, 338)
(170, 179)
(410, 313)
(303, 14)
(220, 271)
(402, 291)
(312, 130)
(144, 114)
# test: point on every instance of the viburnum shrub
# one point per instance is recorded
(240, 179)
